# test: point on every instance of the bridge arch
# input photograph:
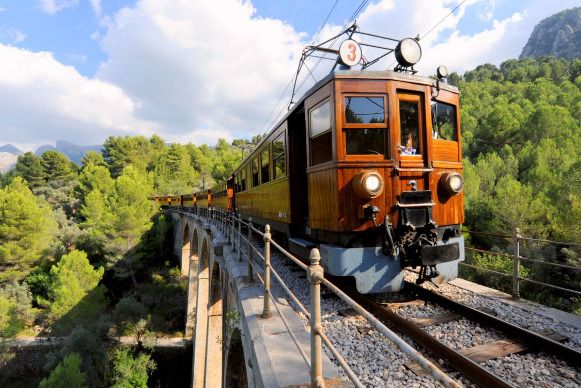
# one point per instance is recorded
(185, 254)
(215, 328)
(235, 365)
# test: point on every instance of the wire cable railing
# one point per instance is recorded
(516, 258)
(231, 225)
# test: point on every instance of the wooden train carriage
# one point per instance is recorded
(188, 200)
(404, 128)
(203, 198)
(165, 200)
(220, 198)
(362, 121)
(176, 200)
(261, 183)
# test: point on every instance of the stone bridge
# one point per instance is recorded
(233, 346)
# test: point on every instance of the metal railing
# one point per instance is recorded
(232, 227)
(516, 258)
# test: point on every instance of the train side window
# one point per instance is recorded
(255, 171)
(409, 127)
(444, 121)
(321, 142)
(243, 179)
(365, 121)
(278, 157)
(264, 165)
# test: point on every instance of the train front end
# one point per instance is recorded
(388, 144)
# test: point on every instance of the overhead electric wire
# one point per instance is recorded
(445, 17)
(292, 78)
(435, 25)
(351, 19)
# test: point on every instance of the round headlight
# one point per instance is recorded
(408, 52)
(452, 183)
(442, 71)
(367, 184)
(372, 183)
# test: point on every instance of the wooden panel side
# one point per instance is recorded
(351, 206)
(269, 201)
(445, 150)
(220, 201)
(448, 210)
(323, 206)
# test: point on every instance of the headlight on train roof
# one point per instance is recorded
(367, 185)
(452, 183)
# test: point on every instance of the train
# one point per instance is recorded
(367, 167)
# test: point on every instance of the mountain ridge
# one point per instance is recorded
(558, 35)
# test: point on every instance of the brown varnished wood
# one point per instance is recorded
(449, 210)
(445, 150)
(323, 196)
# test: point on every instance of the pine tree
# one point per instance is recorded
(29, 168)
(27, 228)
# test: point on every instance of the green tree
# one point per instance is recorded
(131, 218)
(120, 152)
(226, 160)
(174, 173)
(56, 167)
(27, 228)
(67, 374)
(94, 177)
(202, 160)
(29, 168)
(93, 157)
(15, 309)
(131, 371)
(74, 280)
(90, 342)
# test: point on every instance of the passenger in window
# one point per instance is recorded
(408, 149)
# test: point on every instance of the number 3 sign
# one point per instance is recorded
(350, 52)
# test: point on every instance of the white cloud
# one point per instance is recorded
(11, 35)
(200, 66)
(42, 100)
(55, 6)
(96, 5)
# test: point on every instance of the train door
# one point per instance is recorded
(297, 170)
(411, 157)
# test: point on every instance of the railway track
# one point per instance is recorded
(466, 362)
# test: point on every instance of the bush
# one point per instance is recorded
(15, 309)
(66, 374)
(130, 371)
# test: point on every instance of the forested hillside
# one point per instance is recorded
(521, 126)
(83, 254)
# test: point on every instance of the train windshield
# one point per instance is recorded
(444, 121)
(365, 125)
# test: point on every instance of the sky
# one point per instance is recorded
(195, 70)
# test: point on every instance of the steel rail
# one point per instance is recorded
(476, 373)
(530, 338)
(413, 354)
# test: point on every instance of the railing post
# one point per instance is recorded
(267, 312)
(231, 235)
(315, 276)
(239, 237)
(516, 267)
(249, 248)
